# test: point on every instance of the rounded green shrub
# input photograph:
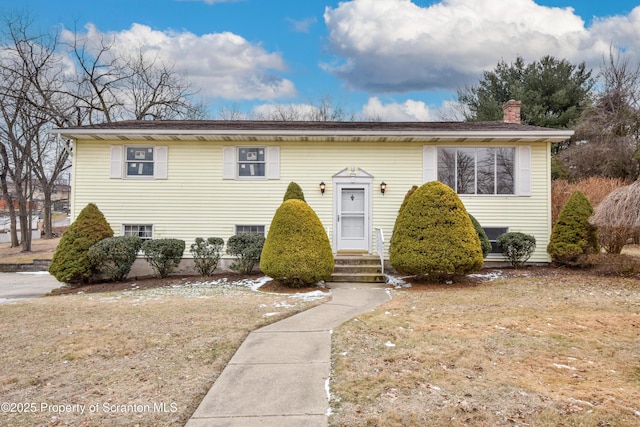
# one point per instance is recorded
(247, 249)
(573, 237)
(114, 256)
(164, 255)
(293, 192)
(70, 263)
(433, 235)
(206, 254)
(297, 251)
(485, 244)
(516, 247)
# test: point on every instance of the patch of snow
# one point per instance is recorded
(396, 282)
(389, 344)
(488, 277)
(275, 313)
(327, 389)
(9, 300)
(309, 296)
(559, 366)
(42, 273)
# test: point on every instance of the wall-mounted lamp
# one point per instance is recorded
(322, 187)
(383, 187)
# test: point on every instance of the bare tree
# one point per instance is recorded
(110, 86)
(609, 132)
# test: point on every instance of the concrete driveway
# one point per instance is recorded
(26, 285)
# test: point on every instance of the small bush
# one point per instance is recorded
(297, 251)
(517, 247)
(70, 263)
(485, 244)
(247, 249)
(114, 256)
(293, 192)
(164, 255)
(206, 254)
(573, 237)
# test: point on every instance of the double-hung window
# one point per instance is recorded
(478, 170)
(251, 162)
(139, 161)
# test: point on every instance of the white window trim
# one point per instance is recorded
(522, 168)
(235, 228)
(230, 163)
(118, 162)
(153, 230)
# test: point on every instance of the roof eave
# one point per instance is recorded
(553, 135)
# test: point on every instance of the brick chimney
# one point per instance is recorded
(511, 110)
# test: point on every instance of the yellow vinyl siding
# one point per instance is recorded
(195, 201)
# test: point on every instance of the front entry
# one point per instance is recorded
(352, 214)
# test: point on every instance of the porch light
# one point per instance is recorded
(383, 187)
(322, 187)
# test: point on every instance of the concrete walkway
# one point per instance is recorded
(15, 286)
(279, 376)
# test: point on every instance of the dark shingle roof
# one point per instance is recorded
(315, 126)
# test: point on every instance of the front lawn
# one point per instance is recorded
(133, 357)
(556, 347)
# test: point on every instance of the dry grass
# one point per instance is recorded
(40, 249)
(159, 349)
(559, 349)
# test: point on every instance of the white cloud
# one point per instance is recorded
(396, 45)
(408, 111)
(221, 64)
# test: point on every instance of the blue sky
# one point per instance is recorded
(391, 59)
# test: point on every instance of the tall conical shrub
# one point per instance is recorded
(70, 263)
(434, 236)
(573, 236)
(297, 251)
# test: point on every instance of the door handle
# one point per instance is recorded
(338, 218)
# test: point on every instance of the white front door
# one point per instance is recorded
(352, 226)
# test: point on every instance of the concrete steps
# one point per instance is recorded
(357, 268)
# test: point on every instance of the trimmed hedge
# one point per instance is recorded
(517, 247)
(434, 236)
(70, 263)
(206, 254)
(297, 251)
(247, 249)
(114, 256)
(573, 237)
(164, 255)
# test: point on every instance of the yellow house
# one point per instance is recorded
(188, 179)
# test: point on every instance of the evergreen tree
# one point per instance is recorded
(297, 251)
(70, 263)
(434, 236)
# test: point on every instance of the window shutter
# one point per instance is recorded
(273, 162)
(115, 170)
(228, 162)
(160, 166)
(524, 170)
(429, 163)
